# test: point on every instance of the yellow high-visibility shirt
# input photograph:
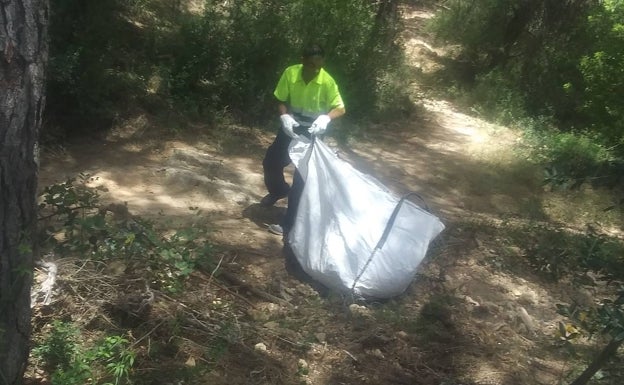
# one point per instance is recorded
(308, 101)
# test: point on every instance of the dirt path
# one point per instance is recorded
(462, 321)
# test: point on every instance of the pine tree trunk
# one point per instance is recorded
(23, 56)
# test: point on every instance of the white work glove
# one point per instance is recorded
(288, 123)
(320, 125)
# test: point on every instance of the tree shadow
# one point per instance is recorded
(428, 353)
(262, 215)
(294, 268)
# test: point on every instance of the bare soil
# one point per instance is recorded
(475, 313)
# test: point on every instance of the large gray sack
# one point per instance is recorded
(351, 233)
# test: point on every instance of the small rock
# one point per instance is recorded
(261, 347)
(377, 353)
(320, 337)
(316, 351)
(358, 310)
(527, 299)
(402, 335)
(265, 311)
(190, 362)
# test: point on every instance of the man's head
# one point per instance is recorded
(312, 58)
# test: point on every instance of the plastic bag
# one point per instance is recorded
(351, 233)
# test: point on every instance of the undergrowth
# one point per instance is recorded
(76, 223)
(590, 260)
(117, 267)
(108, 361)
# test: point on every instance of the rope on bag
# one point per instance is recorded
(384, 236)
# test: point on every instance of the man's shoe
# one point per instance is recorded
(270, 199)
(275, 229)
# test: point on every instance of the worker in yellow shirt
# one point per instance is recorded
(308, 100)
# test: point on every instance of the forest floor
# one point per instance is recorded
(476, 313)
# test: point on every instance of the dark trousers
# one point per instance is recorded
(294, 195)
(275, 160)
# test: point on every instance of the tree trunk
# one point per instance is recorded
(23, 57)
(379, 43)
(386, 20)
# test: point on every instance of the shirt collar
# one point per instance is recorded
(317, 79)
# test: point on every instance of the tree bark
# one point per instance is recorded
(23, 58)
(386, 20)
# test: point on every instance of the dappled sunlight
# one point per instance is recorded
(457, 165)
(475, 130)
(481, 308)
(455, 170)
(196, 7)
(166, 182)
(592, 208)
(411, 13)
(486, 373)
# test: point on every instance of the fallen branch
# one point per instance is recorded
(135, 343)
(212, 281)
(603, 357)
(257, 292)
(350, 355)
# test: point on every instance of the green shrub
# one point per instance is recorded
(96, 67)
(495, 97)
(107, 58)
(60, 347)
(571, 159)
(90, 230)
(521, 61)
(601, 68)
(71, 362)
(555, 253)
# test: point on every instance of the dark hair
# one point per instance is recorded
(313, 50)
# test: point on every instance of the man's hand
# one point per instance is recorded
(320, 125)
(288, 123)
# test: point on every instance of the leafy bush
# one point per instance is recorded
(72, 363)
(531, 47)
(107, 57)
(606, 319)
(601, 69)
(571, 159)
(556, 253)
(95, 62)
(522, 60)
(60, 347)
(497, 98)
(77, 224)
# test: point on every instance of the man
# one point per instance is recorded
(308, 100)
